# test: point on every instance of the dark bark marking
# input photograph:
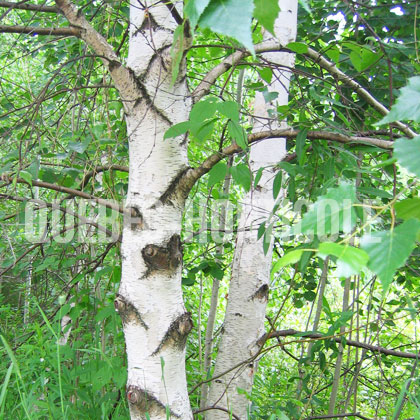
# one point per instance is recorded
(128, 312)
(134, 218)
(261, 293)
(167, 257)
(171, 192)
(143, 401)
(177, 333)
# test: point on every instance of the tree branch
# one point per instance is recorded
(28, 6)
(205, 85)
(71, 191)
(338, 416)
(193, 175)
(352, 343)
(34, 30)
(361, 91)
(124, 80)
(216, 407)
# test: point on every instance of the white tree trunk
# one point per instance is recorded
(150, 301)
(249, 285)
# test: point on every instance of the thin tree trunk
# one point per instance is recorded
(150, 301)
(249, 285)
(208, 343)
(339, 360)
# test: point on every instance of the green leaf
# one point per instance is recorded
(297, 47)
(177, 51)
(79, 147)
(238, 134)
(277, 184)
(407, 106)
(258, 177)
(266, 12)
(300, 143)
(177, 129)
(305, 5)
(193, 10)
(374, 192)
(242, 175)
(229, 109)
(203, 110)
(231, 18)
(266, 74)
(26, 176)
(217, 173)
(351, 260)
(291, 257)
(389, 250)
(331, 213)
(408, 208)
(407, 153)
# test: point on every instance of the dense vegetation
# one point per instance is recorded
(343, 310)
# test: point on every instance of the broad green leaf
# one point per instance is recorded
(229, 109)
(238, 134)
(332, 213)
(267, 238)
(297, 47)
(351, 260)
(242, 175)
(203, 130)
(291, 257)
(389, 250)
(177, 51)
(407, 153)
(258, 177)
(177, 129)
(193, 10)
(374, 192)
(305, 5)
(266, 12)
(231, 18)
(277, 184)
(26, 176)
(408, 208)
(217, 173)
(203, 110)
(407, 106)
(300, 143)
(79, 147)
(266, 74)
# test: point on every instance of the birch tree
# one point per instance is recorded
(250, 281)
(175, 68)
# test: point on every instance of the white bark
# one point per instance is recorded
(150, 297)
(248, 293)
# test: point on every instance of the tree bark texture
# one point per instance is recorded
(249, 285)
(150, 301)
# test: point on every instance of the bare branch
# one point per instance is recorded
(70, 191)
(34, 30)
(28, 6)
(352, 343)
(216, 407)
(338, 416)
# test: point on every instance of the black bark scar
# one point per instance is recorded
(128, 312)
(177, 333)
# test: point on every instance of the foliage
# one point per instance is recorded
(62, 120)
